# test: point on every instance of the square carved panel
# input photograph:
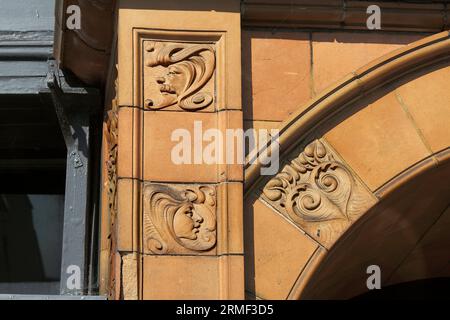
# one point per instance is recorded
(179, 75)
(319, 193)
(179, 219)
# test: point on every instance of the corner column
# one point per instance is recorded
(179, 173)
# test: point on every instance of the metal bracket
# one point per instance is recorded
(53, 83)
(72, 109)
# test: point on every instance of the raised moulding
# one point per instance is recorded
(318, 193)
(180, 75)
(179, 219)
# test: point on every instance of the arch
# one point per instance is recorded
(405, 234)
(359, 83)
(354, 147)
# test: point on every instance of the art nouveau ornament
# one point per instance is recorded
(179, 219)
(318, 193)
(186, 69)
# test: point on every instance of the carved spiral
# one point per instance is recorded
(274, 189)
(156, 246)
(197, 101)
(327, 182)
(309, 201)
(303, 203)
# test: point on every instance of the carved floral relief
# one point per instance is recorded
(318, 193)
(111, 146)
(178, 75)
(111, 162)
(179, 219)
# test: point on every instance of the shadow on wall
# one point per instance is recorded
(394, 235)
(427, 289)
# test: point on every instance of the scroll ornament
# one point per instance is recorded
(318, 193)
(188, 68)
(179, 219)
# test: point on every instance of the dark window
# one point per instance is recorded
(32, 193)
(30, 243)
(38, 241)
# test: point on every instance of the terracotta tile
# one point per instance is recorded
(233, 169)
(171, 234)
(427, 99)
(178, 277)
(258, 126)
(395, 57)
(179, 15)
(384, 236)
(339, 53)
(125, 142)
(276, 69)
(157, 147)
(232, 277)
(378, 142)
(124, 223)
(276, 251)
(154, 74)
(230, 218)
(116, 277)
(350, 202)
(307, 274)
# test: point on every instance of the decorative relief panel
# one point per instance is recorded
(179, 219)
(179, 76)
(111, 162)
(110, 211)
(318, 193)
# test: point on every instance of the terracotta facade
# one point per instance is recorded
(364, 149)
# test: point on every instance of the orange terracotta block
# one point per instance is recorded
(276, 69)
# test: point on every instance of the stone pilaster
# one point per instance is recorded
(179, 225)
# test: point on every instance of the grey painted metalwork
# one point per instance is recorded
(25, 15)
(74, 106)
(26, 41)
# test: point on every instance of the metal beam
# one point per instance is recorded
(74, 115)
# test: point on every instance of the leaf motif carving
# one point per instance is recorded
(317, 193)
